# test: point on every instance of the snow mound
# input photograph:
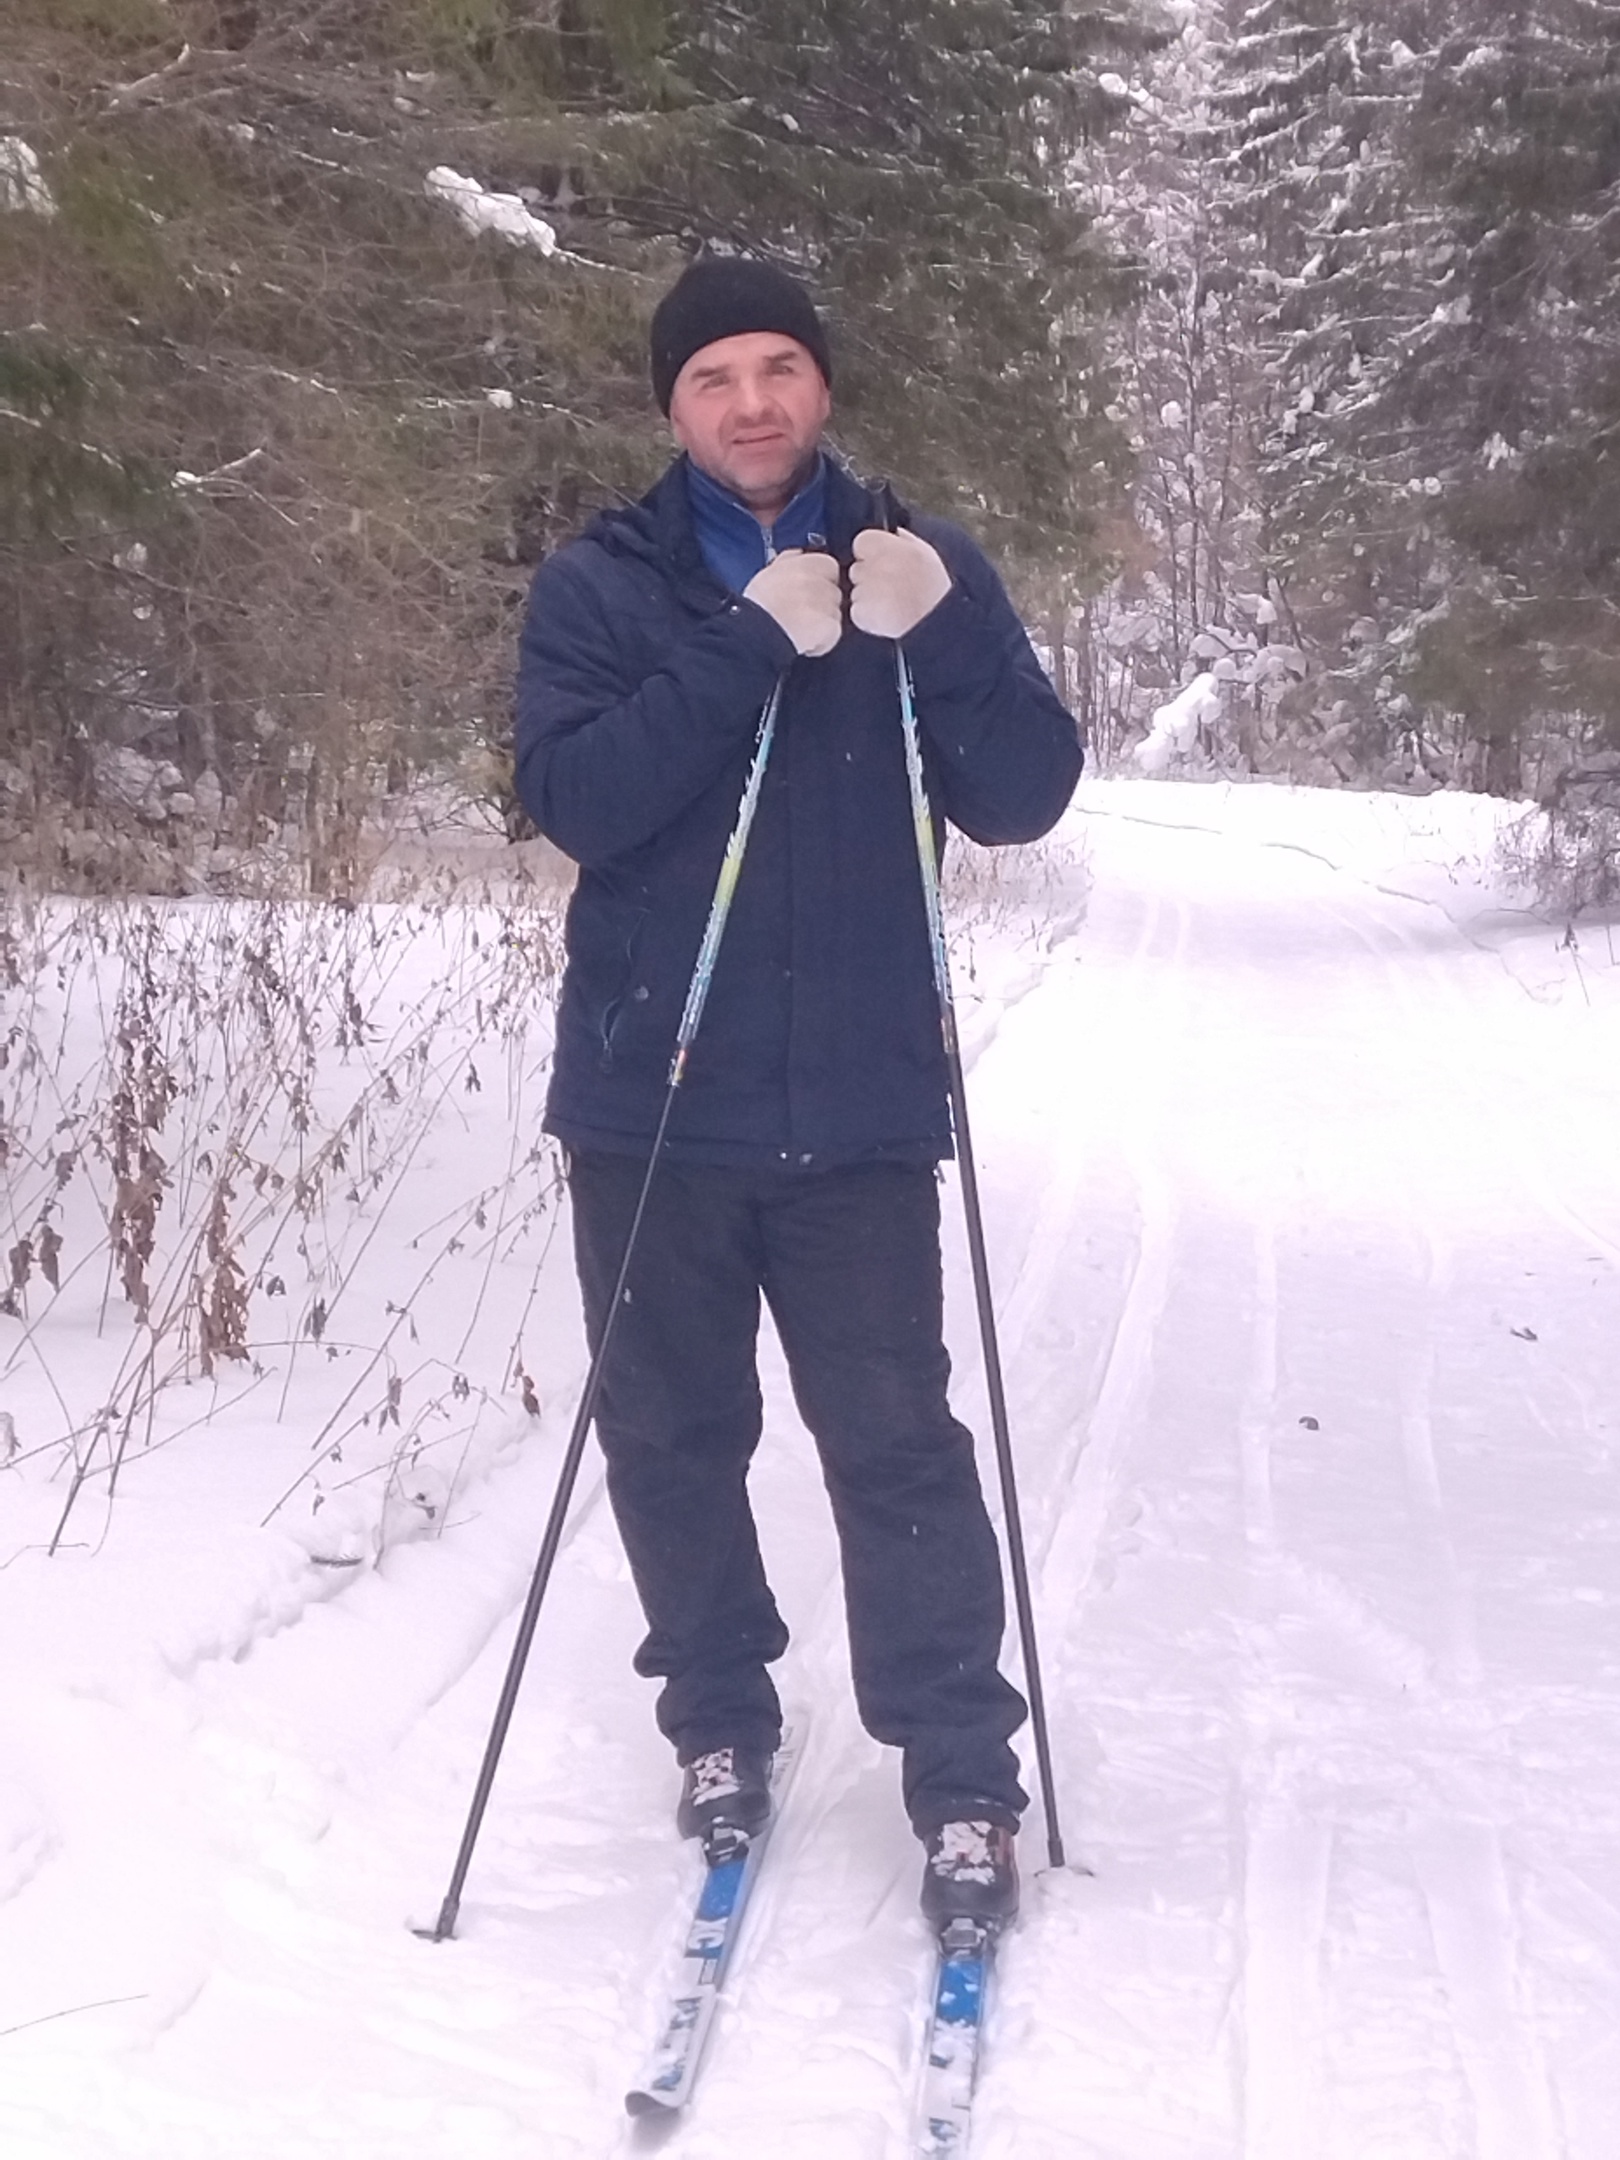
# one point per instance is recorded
(1173, 730)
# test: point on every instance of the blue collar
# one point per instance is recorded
(735, 545)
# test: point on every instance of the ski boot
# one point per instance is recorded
(971, 1873)
(725, 1798)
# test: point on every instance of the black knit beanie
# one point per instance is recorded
(722, 296)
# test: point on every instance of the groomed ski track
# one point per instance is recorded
(1304, 1207)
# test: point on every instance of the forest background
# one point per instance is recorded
(1270, 348)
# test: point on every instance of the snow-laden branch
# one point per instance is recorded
(22, 184)
(201, 483)
(481, 211)
(30, 420)
(147, 88)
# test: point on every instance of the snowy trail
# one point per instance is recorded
(1304, 1205)
(1328, 1154)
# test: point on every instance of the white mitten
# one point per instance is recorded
(895, 580)
(801, 594)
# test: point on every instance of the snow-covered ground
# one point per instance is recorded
(1299, 1144)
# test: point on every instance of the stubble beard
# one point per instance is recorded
(766, 498)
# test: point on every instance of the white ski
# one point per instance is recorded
(728, 1881)
(955, 2028)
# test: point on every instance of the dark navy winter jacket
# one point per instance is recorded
(640, 687)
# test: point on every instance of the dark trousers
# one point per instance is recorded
(848, 1261)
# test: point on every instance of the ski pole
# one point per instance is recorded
(696, 995)
(928, 862)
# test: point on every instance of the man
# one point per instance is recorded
(801, 1160)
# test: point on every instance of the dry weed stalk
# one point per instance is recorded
(258, 1094)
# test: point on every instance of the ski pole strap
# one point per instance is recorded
(725, 887)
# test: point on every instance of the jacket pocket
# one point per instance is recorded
(616, 1013)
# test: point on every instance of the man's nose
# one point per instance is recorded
(753, 396)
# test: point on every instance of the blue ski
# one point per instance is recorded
(728, 1880)
(955, 2027)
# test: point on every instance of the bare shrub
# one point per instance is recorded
(1568, 851)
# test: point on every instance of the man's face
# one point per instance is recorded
(749, 411)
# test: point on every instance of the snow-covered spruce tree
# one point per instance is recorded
(57, 487)
(1433, 208)
(220, 270)
(1335, 262)
(1505, 395)
(1190, 595)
